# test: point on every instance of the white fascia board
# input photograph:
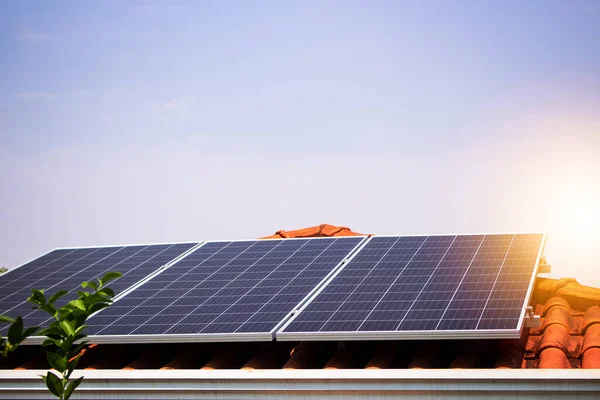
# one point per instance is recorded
(342, 383)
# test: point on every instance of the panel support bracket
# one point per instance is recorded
(544, 267)
(532, 320)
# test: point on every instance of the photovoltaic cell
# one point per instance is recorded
(425, 283)
(65, 269)
(235, 287)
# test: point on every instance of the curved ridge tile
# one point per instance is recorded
(552, 285)
(555, 301)
(553, 358)
(557, 336)
(561, 316)
(591, 317)
(315, 231)
(580, 297)
(591, 338)
(591, 358)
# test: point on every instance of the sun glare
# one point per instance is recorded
(578, 209)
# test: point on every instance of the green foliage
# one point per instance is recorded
(3, 270)
(15, 335)
(65, 335)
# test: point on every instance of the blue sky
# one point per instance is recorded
(132, 122)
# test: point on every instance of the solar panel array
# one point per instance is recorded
(226, 288)
(342, 288)
(438, 284)
(65, 269)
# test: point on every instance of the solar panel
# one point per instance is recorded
(65, 269)
(458, 286)
(224, 290)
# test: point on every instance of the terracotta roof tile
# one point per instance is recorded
(570, 332)
(229, 356)
(591, 358)
(263, 359)
(591, 317)
(591, 338)
(324, 230)
(308, 355)
(578, 296)
(188, 356)
(387, 355)
(553, 358)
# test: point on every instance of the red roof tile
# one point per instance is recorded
(315, 231)
(570, 332)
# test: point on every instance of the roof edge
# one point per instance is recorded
(342, 383)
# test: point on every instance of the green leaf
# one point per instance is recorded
(50, 342)
(95, 298)
(78, 304)
(52, 330)
(79, 320)
(71, 386)
(110, 276)
(15, 331)
(97, 307)
(57, 296)
(49, 308)
(80, 329)
(73, 363)
(68, 327)
(30, 331)
(92, 284)
(77, 349)
(107, 291)
(7, 319)
(54, 384)
(57, 361)
(37, 296)
(67, 344)
(66, 311)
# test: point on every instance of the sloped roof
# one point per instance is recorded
(569, 337)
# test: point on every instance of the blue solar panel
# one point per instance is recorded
(435, 284)
(65, 269)
(236, 288)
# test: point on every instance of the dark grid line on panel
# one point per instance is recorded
(392, 284)
(505, 303)
(220, 314)
(467, 304)
(407, 284)
(12, 277)
(300, 284)
(126, 308)
(372, 277)
(425, 285)
(495, 281)
(85, 264)
(366, 276)
(460, 283)
(226, 287)
(30, 280)
(23, 307)
(429, 305)
(443, 283)
(280, 290)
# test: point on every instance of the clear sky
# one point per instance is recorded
(136, 122)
